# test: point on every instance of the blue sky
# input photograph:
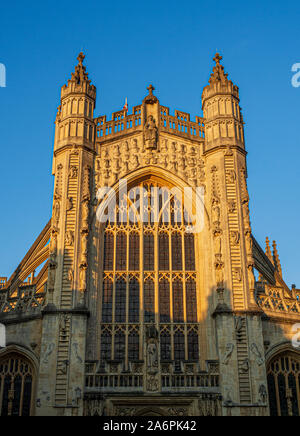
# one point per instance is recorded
(128, 45)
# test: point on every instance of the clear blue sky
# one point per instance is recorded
(127, 46)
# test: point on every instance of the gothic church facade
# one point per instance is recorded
(148, 301)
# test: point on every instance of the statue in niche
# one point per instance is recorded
(150, 134)
(249, 242)
(152, 355)
(56, 211)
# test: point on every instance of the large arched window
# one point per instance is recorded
(284, 384)
(16, 385)
(149, 276)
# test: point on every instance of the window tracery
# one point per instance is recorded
(149, 276)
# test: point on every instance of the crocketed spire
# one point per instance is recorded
(80, 74)
(218, 74)
(276, 258)
(268, 250)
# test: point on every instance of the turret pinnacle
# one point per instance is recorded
(218, 74)
(276, 258)
(80, 74)
(268, 250)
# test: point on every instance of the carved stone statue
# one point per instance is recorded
(152, 355)
(150, 134)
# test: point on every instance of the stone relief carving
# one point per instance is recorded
(73, 172)
(230, 176)
(63, 367)
(69, 205)
(177, 411)
(245, 366)
(228, 353)
(181, 159)
(47, 353)
(239, 323)
(231, 206)
(64, 319)
(259, 357)
(69, 238)
(234, 237)
(76, 352)
(238, 274)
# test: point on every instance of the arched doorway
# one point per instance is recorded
(284, 384)
(16, 385)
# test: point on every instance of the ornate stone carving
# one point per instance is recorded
(73, 172)
(238, 274)
(259, 357)
(231, 206)
(49, 348)
(245, 366)
(69, 205)
(228, 353)
(234, 237)
(230, 176)
(69, 238)
(177, 411)
(152, 383)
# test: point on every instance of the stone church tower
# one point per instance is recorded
(147, 293)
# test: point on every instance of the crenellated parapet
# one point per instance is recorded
(123, 124)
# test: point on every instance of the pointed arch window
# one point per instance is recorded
(284, 385)
(16, 385)
(149, 276)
